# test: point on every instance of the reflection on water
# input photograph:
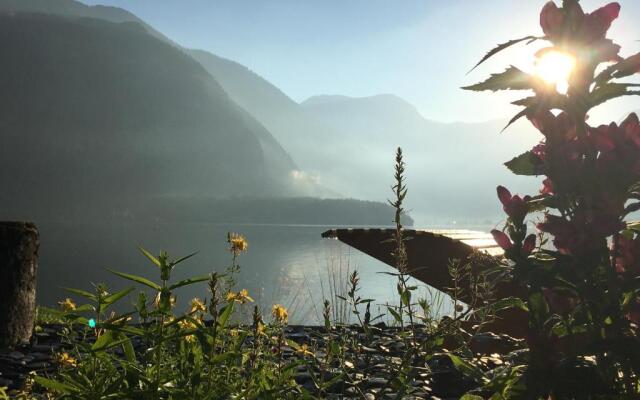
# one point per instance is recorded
(287, 264)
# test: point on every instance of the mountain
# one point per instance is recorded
(93, 110)
(299, 132)
(73, 8)
(452, 169)
(252, 92)
(348, 144)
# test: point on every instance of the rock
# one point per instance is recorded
(376, 382)
(489, 343)
(6, 383)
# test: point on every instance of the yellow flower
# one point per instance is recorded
(238, 243)
(261, 329)
(240, 297)
(280, 313)
(66, 360)
(67, 305)
(197, 305)
(303, 350)
(187, 324)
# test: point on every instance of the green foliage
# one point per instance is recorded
(524, 164)
(511, 79)
(206, 353)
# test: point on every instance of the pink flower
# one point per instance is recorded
(514, 206)
(505, 242)
(558, 22)
(631, 128)
(595, 25)
(502, 239)
(583, 231)
(571, 24)
(552, 20)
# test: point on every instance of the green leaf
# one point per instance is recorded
(174, 263)
(626, 67)
(509, 303)
(395, 314)
(406, 298)
(108, 340)
(109, 300)
(466, 368)
(138, 279)
(103, 341)
(511, 79)
(83, 293)
(471, 397)
(333, 381)
(517, 117)
(535, 104)
(149, 256)
(524, 164)
(610, 91)
(189, 281)
(56, 386)
(127, 348)
(226, 313)
(503, 46)
(123, 328)
(538, 204)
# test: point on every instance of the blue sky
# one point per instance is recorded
(417, 49)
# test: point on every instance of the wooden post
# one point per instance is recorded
(19, 245)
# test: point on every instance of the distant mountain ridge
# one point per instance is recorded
(91, 110)
(73, 8)
(347, 144)
(452, 169)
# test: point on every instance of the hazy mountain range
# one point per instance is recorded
(97, 106)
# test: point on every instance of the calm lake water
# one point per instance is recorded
(287, 264)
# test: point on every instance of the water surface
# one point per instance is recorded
(287, 264)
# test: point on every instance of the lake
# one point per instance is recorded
(287, 264)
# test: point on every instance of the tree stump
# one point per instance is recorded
(19, 245)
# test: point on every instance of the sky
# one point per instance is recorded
(419, 50)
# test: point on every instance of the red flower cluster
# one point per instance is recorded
(505, 242)
(582, 232)
(514, 206)
(570, 26)
(618, 147)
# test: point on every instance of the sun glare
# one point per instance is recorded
(556, 67)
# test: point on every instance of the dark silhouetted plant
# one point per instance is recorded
(583, 293)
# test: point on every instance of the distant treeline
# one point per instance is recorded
(303, 210)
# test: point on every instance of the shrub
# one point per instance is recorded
(582, 293)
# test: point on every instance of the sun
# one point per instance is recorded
(555, 67)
